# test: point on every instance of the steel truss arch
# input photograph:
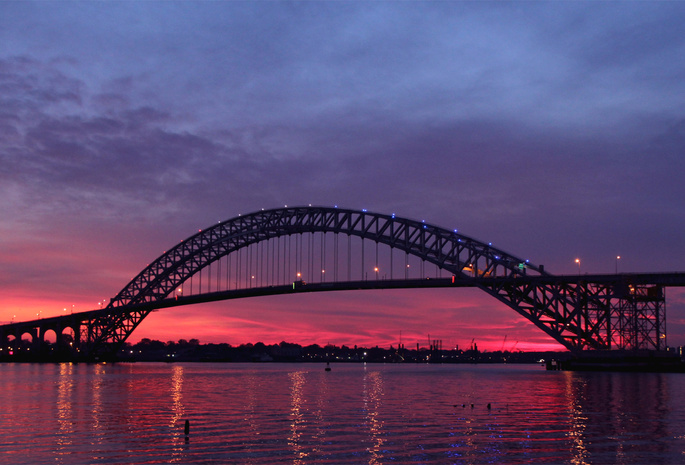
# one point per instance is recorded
(605, 312)
(462, 256)
(456, 253)
(577, 315)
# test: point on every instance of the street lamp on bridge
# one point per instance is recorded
(578, 262)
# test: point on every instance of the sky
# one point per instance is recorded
(555, 130)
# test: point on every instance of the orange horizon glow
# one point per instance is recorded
(454, 316)
(363, 318)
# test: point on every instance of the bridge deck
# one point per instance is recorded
(663, 279)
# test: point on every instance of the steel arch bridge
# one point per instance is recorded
(605, 312)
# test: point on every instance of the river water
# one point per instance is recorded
(354, 414)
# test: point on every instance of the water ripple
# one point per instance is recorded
(355, 414)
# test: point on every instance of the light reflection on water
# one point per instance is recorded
(297, 420)
(177, 420)
(63, 410)
(373, 397)
(356, 414)
(576, 417)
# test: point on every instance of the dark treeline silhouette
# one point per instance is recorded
(191, 350)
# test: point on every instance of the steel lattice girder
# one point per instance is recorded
(445, 248)
(448, 249)
(586, 315)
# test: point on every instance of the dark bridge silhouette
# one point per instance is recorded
(314, 249)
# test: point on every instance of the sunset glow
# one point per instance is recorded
(547, 129)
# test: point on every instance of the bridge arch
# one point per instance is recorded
(50, 336)
(28, 336)
(465, 258)
(604, 312)
(456, 253)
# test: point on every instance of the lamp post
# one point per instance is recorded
(578, 262)
(618, 257)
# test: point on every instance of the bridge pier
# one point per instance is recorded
(17, 347)
(14, 348)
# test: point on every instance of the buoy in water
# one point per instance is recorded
(328, 366)
(187, 428)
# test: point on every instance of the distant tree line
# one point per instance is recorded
(192, 350)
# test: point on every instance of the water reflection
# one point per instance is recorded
(577, 417)
(297, 421)
(616, 414)
(97, 407)
(251, 395)
(263, 414)
(322, 401)
(463, 435)
(64, 411)
(176, 395)
(251, 398)
(178, 412)
(373, 399)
